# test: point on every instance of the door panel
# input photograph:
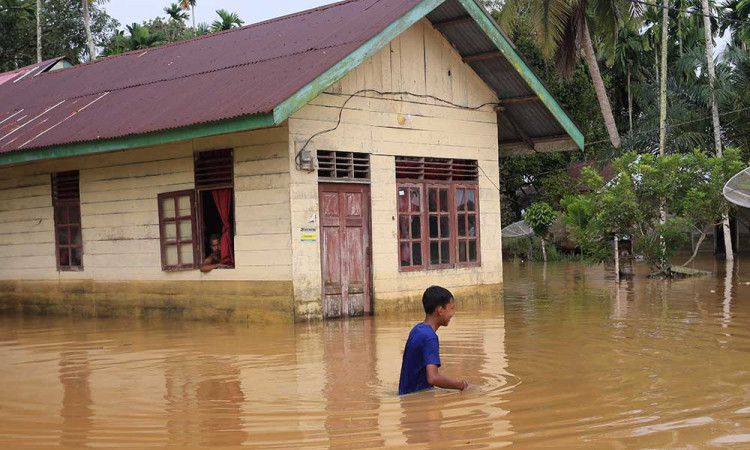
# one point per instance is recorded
(345, 255)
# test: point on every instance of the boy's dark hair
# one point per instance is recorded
(435, 296)
(214, 236)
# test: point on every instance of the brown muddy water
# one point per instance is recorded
(571, 361)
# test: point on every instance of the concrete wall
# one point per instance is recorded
(121, 234)
(420, 62)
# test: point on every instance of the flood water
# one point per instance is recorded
(566, 359)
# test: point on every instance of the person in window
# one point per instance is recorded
(213, 260)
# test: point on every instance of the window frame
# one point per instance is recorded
(416, 178)
(163, 243)
(407, 187)
(67, 204)
(468, 263)
(447, 186)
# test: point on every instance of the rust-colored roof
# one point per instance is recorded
(238, 72)
(575, 169)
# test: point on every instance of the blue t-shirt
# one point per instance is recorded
(422, 348)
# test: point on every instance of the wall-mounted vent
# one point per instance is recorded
(214, 169)
(65, 186)
(343, 165)
(408, 168)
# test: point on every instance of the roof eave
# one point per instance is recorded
(493, 32)
(242, 123)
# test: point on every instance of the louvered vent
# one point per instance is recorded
(436, 169)
(343, 165)
(214, 169)
(65, 186)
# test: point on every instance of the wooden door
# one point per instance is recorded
(345, 249)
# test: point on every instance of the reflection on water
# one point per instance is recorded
(568, 358)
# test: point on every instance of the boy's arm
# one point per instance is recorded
(435, 379)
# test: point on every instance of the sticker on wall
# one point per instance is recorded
(308, 234)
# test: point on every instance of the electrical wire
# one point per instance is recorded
(383, 94)
(672, 125)
(360, 93)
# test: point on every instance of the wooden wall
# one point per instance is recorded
(420, 62)
(120, 212)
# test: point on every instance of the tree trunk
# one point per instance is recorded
(630, 104)
(38, 30)
(601, 92)
(727, 238)
(663, 80)
(87, 26)
(712, 77)
(715, 116)
(697, 247)
(192, 10)
(544, 252)
(656, 62)
(617, 260)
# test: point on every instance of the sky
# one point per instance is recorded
(251, 11)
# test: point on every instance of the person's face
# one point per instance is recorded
(446, 313)
(215, 245)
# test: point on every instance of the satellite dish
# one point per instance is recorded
(517, 230)
(737, 189)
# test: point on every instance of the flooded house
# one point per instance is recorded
(329, 163)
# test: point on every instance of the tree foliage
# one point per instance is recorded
(63, 32)
(540, 217)
(688, 186)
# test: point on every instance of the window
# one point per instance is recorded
(189, 219)
(66, 202)
(177, 230)
(410, 224)
(438, 213)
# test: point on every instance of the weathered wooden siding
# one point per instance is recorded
(120, 212)
(420, 62)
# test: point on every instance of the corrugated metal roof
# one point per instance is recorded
(531, 117)
(238, 72)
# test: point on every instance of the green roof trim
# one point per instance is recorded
(492, 30)
(243, 123)
(354, 59)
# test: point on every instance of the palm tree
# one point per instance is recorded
(715, 115)
(188, 5)
(736, 102)
(563, 30)
(737, 13)
(140, 37)
(626, 58)
(663, 78)
(176, 13)
(227, 20)
(202, 29)
(87, 26)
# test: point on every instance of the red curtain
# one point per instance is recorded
(223, 201)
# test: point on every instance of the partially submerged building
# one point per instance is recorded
(347, 156)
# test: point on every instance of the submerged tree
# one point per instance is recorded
(540, 218)
(702, 204)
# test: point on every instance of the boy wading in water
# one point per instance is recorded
(419, 368)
